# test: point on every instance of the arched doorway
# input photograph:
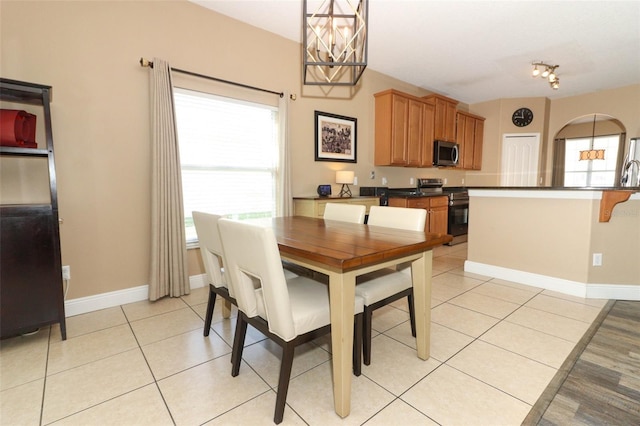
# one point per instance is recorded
(589, 152)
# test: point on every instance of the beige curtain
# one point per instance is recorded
(168, 276)
(283, 194)
(557, 176)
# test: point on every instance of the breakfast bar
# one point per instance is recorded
(555, 238)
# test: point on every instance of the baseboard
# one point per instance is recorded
(198, 281)
(96, 302)
(573, 288)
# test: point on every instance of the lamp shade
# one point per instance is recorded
(345, 176)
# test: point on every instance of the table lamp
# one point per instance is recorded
(345, 177)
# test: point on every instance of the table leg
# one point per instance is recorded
(342, 289)
(226, 309)
(421, 271)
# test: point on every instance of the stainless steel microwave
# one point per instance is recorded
(445, 153)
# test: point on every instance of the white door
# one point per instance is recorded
(520, 154)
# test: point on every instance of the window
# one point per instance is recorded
(591, 173)
(228, 156)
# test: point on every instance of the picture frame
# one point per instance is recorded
(335, 137)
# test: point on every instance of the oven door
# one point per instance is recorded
(458, 218)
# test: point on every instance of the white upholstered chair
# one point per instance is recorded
(345, 212)
(382, 287)
(288, 311)
(212, 257)
(213, 260)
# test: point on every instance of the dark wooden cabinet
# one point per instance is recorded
(31, 291)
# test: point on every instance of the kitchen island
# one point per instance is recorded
(554, 238)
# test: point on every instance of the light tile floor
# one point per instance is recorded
(495, 346)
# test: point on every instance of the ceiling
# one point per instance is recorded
(476, 51)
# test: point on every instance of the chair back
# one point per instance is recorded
(398, 217)
(210, 247)
(255, 271)
(353, 213)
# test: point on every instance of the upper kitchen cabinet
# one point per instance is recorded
(445, 117)
(428, 121)
(403, 130)
(469, 135)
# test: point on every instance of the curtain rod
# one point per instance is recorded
(147, 63)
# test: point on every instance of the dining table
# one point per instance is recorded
(344, 251)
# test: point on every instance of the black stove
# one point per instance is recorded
(456, 194)
(458, 223)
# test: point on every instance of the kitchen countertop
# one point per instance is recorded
(558, 188)
(415, 195)
(412, 193)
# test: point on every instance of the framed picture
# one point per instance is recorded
(335, 138)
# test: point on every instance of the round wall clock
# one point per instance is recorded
(522, 117)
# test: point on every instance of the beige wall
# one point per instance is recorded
(550, 116)
(89, 52)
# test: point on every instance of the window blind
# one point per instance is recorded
(228, 156)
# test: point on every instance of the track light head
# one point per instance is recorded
(549, 72)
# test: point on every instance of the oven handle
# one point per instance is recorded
(459, 203)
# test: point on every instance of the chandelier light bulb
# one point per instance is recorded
(552, 78)
(545, 73)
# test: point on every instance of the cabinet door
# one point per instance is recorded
(461, 124)
(470, 140)
(415, 134)
(428, 125)
(438, 220)
(31, 274)
(477, 144)
(450, 122)
(445, 120)
(440, 117)
(399, 130)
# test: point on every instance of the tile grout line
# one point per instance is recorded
(44, 382)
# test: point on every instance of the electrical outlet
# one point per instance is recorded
(444, 181)
(372, 175)
(384, 180)
(355, 180)
(66, 272)
(412, 181)
(597, 259)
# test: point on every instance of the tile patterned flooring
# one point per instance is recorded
(495, 346)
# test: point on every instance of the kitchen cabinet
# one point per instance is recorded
(428, 129)
(445, 117)
(30, 262)
(402, 122)
(314, 206)
(437, 210)
(470, 134)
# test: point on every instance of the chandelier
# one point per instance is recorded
(546, 71)
(335, 42)
(592, 154)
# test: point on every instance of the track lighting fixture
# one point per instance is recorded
(548, 72)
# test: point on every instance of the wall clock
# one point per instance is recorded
(522, 117)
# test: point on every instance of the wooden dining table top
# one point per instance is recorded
(345, 246)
